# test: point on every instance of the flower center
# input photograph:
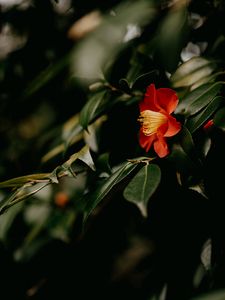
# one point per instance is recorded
(151, 121)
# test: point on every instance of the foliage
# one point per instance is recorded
(127, 223)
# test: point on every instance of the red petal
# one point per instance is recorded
(173, 127)
(160, 146)
(208, 124)
(167, 99)
(149, 101)
(146, 141)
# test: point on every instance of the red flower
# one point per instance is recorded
(157, 124)
(208, 124)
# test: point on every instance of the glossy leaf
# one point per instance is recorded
(181, 159)
(190, 97)
(202, 100)
(142, 186)
(143, 80)
(186, 140)
(94, 198)
(197, 121)
(96, 105)
(191, 71)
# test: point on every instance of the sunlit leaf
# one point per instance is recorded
(206, 254)
(191, 71)
(95, 197)
(19, 181)
(197, 121)
(142, 186)
(21, 194)
(84, 155)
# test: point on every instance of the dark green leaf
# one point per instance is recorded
(186, 140)
(190, 97)
(144, 80)
(202, 100)
(96, 105)
(47, 75)
(142, 186)
(171, 37)
(219, 295)
(94, 198)
(103, 163)
(219, 118)
(191, 71)
(197, 121)
(7, 220)
(124, 85)
(181, 160)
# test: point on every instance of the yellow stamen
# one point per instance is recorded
(151, 121)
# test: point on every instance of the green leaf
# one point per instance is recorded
(103, 163)
(101, 46)
(190, 97)
(96, 105)
(142, 186)
(143, 80)
(46, 75)
(94, 198)
(197, 121)
(171, 37)
(218, 295)
(182, 160)
(84, 155)
(20, 181)
(201, 100)
(191, 71)
(124, 85)
(219, 118)
(7, 220)
(186, 140)
(20, 194)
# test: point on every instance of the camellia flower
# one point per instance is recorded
(157, 124)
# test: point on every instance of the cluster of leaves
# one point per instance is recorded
(77, 126)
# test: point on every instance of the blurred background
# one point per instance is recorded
(71, 65)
